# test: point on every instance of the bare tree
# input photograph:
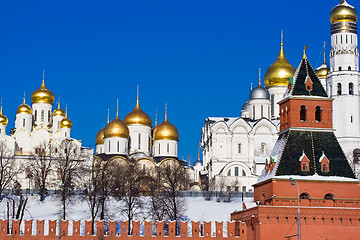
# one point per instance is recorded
(126, 189)
(41, 165)
(173, 179)
(8, 168)
(69, 163)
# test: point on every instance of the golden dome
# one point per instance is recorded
(24, 108)
(42, 95)
(323, 70)
(99, 139)
(65, 122)
(116, 128)
(59, 111)
(3, 118)
(137, 117)
(280, 71)
(343, 12)
(166, 130)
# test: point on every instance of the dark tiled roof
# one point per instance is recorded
(313, 144)
(304, 70)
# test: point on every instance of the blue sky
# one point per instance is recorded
(198, 56)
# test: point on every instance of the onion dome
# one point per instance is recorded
(259, 93)
(197, 163)
(137, 117)
(66, 122)
(99, 139)
(279, 72)
(42, 95)
(116, 128)
(166, 131)
(24, 108)
(59, 111)
(343, 12)
(3, 118)
(245, 107)
(323, 70)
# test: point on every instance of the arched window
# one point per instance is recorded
(351, 88)
(304, 196)
(349, 68)
(243, 173)
(303, 113)
(318, 114)
(229, 172)
(304, 167)
(339, 89)
(263, 148)
(325, 168)
(329, 196)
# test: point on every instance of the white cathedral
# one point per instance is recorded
(235, 148)
(36, 127)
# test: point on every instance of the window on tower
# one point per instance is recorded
(351, 88)
(139, 141)
(340, 68)
(24, 122)
(42, 115)
(35, 115)
(318, 114)
(349, 68)
(236, 171)
(49, 116)
(239, 147)
(303, 113)
(339, 89)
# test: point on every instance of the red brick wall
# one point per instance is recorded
(107, 230)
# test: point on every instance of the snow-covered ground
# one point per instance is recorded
(197, 209)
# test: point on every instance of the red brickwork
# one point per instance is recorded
(108, 230)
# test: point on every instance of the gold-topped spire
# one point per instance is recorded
(117, 108)
(59, 111)
(259, 76)
(155, 117)
(24, 108)
(323, 70)
(116, 128)
(43, 80)
(24, 98)
(3, 118)
(280, 71)
(304, 55)
(137, 95)
(108, 119)
(1, 112)
(42, 94)
(165, 111)
(166, 130)
(324, 53)
(66, 122)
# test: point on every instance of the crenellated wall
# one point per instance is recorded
(43, 230)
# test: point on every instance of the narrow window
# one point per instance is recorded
(244, 188)
(0, 131)
(351, 88)
(236, 171)
(35, 115)
(304, 167)
(139, 141)
(149, 143)
(341, 39)
(351, 119)
(42, 115)
(24, 122)
(49, 116)
(349, 68)
(253, 111)
(229, 173)
(318, 114)
(346, 38)
(65, 134)
(339, 89)
(118, 146)
(243, 173)
(340, 68)
(159, 148)
(236, 188)
(109, 146)
(263, 148)
(167, 148)
(303, 113)
(272, 105)
(336, 40)
(262, 111)
(325, 168)
(239, 148)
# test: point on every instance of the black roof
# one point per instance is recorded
(313, 144)
(305, 69)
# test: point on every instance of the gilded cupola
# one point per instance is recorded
(24, 108)
(280, 71)
(323, 70)
(3, 118)
(166, 131)
(116, 128)
(42, 94)
(66, 122)
(99, 139)
(343, 12)
(59, 111)
(137, 116)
